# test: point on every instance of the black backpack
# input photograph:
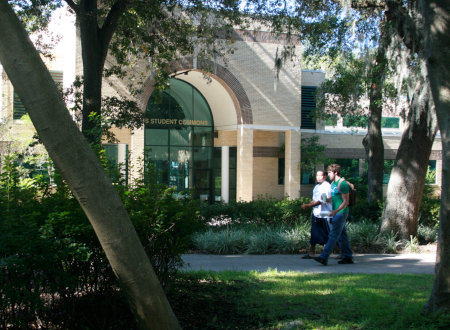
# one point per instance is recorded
(352, 195)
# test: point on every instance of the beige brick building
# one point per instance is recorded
(236, 135)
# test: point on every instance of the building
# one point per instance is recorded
(235, 135)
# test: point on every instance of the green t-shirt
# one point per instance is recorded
(336, 196)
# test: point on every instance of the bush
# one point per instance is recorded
(430, 207)
(262, 211)
(363, 211)
(50, 255)
(165, 223)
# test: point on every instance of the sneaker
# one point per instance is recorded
(321, 260)
(346, 260)
(307, 256)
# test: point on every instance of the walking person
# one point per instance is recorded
(320, 217)
(339, 199)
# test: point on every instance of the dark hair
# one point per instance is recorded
(335, 168)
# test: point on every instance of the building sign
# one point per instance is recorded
(181, 122)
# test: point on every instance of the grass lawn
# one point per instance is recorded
(288, 300)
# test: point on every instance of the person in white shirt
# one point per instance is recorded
(320, 218)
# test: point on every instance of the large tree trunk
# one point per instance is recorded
(83, 173)
(93, 63)
(437, 50)
(95, 39)
(373, 141)
(405, 189)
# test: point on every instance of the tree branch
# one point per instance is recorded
(404, 24)
(356, 4)
(109, 26)
(72, 5)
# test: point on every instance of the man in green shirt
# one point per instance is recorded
(339, 199)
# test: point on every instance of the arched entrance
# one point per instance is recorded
(179, 139)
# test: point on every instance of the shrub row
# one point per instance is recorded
(261, 211)
(50, 255)
(273, 212)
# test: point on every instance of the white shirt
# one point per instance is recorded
(319, 189)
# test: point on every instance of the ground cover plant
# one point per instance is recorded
(364, 237)
(266, 225)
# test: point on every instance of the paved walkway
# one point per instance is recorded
(422, 263)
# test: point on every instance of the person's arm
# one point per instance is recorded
(344, 204)
(312, 204)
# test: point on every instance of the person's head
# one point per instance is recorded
(333, 171)
(320, 176)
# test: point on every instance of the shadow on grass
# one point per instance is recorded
(272, 300)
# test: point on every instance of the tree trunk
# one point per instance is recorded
(95, 40)
(437, 50)
(93, 63)
(405, 189)
(373, 141)
(84, 174)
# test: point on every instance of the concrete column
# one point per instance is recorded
(244, 184)
(225, 186)
(292, 164)
(1, 93)
(136, 153)
(439, 172)
(362, 167)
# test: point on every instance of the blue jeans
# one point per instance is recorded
(338, 234)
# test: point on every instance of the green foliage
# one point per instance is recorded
(164, 221)
(364, 210)
(50, 256)
(312, 155)
(430, 207)
(427, 234)
(355, 121)
(430, 177)
(254, 240)
(262, 211)
(364, 237)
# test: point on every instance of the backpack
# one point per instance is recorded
(352, 194)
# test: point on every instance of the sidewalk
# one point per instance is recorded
(422, 263)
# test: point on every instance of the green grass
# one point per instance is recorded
(288, 300)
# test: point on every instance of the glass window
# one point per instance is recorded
(155, 136)
(308, 107)
(431, 172)
(203, 157)
(354, 121)
(349, 167)
(157, 153)
(390, 122)
(217, 174)
(181, 92)
(331, 120)
(179, 137)
(201, 108)
(281, 163)
(307, 177)
(203, 136)
(18, 107)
